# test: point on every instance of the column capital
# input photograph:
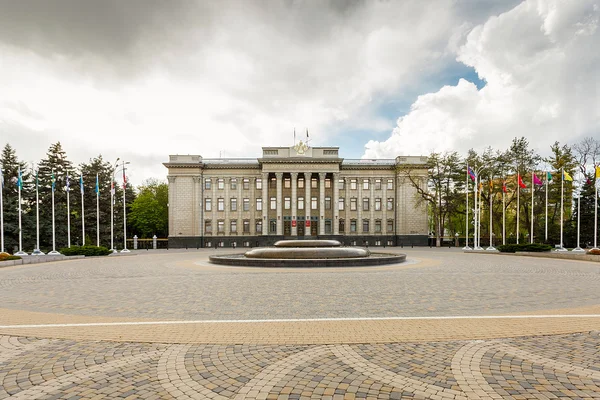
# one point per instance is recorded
(171, 178)
(294, 174)
(197, 179)
(322, 175)
(279, 175)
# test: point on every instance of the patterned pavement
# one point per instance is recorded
(97, 349)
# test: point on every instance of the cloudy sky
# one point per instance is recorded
(144, 79)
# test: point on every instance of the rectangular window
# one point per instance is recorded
(390, 225)
(207, 184)
(259, 204)
(208, 204)
(341, 204)
(301, 183)
(378, 226)
(378, 204)
(365, 225)
(352, 225)
(377, 184)
(328, 203)
(233, 226)
(287, 183)
(273, 226)
(365, 205)
(300, 203)
(246, 184)
(221, 204)
(313, 203)
(327, 183)
(221, 226)
(258, 183)
(273, 203)
(390, 184)
(353, 204)
(221, 183)
(314, 183)
(246, 204)
(246, 226)
(365, 184)
(233, 204)
(342, 226)
(352, 184)
(208, 226)
(287, 203)
(328, 227)
(341, 184)
(233, 183)
(390, 204)
(258, 226)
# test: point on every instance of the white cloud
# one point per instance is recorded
(141, 80)
(541, 64)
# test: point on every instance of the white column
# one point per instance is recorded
(240, 206)
(347, 206)
(336, 210)
(321, 203)
(359, 207)
(294, 203)
(265, 203)
(279, 176)
(372, 206)
(307, 202)
(384, 216)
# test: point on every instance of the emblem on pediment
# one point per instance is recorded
(301, 147)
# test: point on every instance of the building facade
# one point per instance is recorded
(294, 193)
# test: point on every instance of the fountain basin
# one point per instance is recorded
(308, 243)
(307, 252)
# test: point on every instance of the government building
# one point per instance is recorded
(294, 193)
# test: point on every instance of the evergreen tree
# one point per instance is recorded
(10, 198)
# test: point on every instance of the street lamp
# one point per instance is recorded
(112, 202)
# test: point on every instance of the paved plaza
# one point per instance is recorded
(444, 325)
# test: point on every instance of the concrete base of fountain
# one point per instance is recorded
(308, 254)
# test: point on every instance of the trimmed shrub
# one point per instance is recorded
(595, 252)
(8, 257)
(535, 247)
(87, 251)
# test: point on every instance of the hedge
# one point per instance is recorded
(85, 251)
(8, 257)
(535, 247)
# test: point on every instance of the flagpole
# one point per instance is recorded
(491, 246)
(1, 211)
(37, 251)
(68, 214)
(518, 207)
(20, 185)
(532, 194)
(467, 212)
(97, 213)
(596, 210)
(479, 217)
(546, 217)
(578, 249)
(562, 189)
(53, 252)
(82, 211)
(504, 213)
(124, 211)
(475, 213)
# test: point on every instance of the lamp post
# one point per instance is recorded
(112, 202)
(124, 210)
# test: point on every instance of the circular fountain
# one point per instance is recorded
(308, 253)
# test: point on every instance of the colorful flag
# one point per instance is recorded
(53, 180)
(20, 180)
(504, 187)
(567, 177)
(81, 183)
(112, 187)
(521, 184)
(472, 174)
(549, 176)
(124, 179)
(537, 180)
(68, 184)
(97, 187)
(491, 184)
(598, 172)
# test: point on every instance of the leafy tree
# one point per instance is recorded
(149, 212)
(10, 199)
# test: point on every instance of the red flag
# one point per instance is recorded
(521, 184)
(124, 179)
(504, 187)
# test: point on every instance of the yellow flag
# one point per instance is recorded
(567, 177)
(598, 172)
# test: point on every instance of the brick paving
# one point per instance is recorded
(467, 358)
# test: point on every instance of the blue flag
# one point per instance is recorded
(20, 180)
(97, 187)
(81, 182)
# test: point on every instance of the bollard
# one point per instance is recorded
(154, 242)
(135, 243)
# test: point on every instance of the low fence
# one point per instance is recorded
(147, 244)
